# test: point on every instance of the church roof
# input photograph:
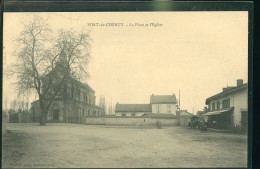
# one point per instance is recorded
(133, 108)
(166, 99)
(83, 85)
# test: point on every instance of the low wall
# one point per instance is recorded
(133, 121)
(24, 118)
(4, 123)
(184, 121)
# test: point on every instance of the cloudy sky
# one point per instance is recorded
(197, 53)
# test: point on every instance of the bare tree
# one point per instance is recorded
(13, 105)
(45, 62)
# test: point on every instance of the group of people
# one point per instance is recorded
(199, 122)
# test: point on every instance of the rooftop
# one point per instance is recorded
(185, 113)
(133, 108)
(167, 99)
(228, 90)
(83, 85)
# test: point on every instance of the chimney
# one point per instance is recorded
(239, 82)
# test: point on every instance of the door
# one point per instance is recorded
(244, 120)
(56, 114)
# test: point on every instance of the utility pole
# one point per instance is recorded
(179, 98)
(179, 102)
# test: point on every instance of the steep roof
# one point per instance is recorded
(83, 85)
(167, 99)
(133, 108)
(185, 113)
(227, 91)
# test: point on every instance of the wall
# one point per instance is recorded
(164, 108)
(126, 121)
(240, 102)
(230, 96)
(24, 118)
(129, 113)
(184, 121)
(4, 123)
(70, 111)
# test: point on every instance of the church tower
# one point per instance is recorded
(62, 62)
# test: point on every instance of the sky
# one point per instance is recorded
(197, 53)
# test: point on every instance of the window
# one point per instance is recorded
(123, 114)
(218, 105)
(158, 108)
(79, 112)
(169, 108)
(78, 94)
(132, 114)
(226, 103)
(213, 106)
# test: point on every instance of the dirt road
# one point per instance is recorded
(74, 145)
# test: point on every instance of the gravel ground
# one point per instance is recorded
(74, 145)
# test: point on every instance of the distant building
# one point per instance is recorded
(74, 101)
(184, 117)
(185, 113)
(229, 108)
(132, 110)
(163, 104)
(160, 106)
(200, 113)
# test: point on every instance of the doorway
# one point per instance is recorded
(244, 120)
(56, 113)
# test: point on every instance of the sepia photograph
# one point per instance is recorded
(160, 89)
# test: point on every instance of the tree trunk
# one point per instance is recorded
(42, 119)
(42, 116)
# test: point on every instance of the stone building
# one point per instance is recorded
(163, 104)
(184, 117)
(229, 108)
(132, 110)
(160, 106)
(74, 101)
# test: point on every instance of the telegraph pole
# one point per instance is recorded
(179, 98)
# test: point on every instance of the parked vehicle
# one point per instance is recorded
(198, 122)
(194, 122)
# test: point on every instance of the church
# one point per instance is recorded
(74, 102)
